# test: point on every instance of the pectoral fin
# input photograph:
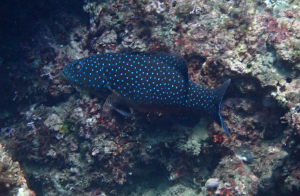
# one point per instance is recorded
(113, 103)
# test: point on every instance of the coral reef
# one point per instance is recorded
(12, 181)
(68, 145)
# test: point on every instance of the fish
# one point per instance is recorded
(147, 82)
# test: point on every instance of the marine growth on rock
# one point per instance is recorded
(133, 122)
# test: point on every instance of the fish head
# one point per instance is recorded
(87, 73)
(74, 72)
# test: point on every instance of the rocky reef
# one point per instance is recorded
(67, 145)
(12, 181)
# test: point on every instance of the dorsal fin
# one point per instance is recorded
(180, 65)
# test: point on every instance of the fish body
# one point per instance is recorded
(148, 82)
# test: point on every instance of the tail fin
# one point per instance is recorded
(220, 91)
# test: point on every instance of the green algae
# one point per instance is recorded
(64, 128)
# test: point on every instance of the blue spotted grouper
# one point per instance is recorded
(146, 82)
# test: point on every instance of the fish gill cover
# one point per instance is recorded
(148, 82)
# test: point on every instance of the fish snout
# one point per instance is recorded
(63, 75)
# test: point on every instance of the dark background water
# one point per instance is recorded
(22, 22)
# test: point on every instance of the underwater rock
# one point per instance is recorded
(12, 180)
(212, 183)
(244, 154)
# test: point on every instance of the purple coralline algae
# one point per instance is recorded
(68, 144)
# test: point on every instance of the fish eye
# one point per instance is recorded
(77, 66)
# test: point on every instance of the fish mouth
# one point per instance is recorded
(63, 75)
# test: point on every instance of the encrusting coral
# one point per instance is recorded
(12, 181)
